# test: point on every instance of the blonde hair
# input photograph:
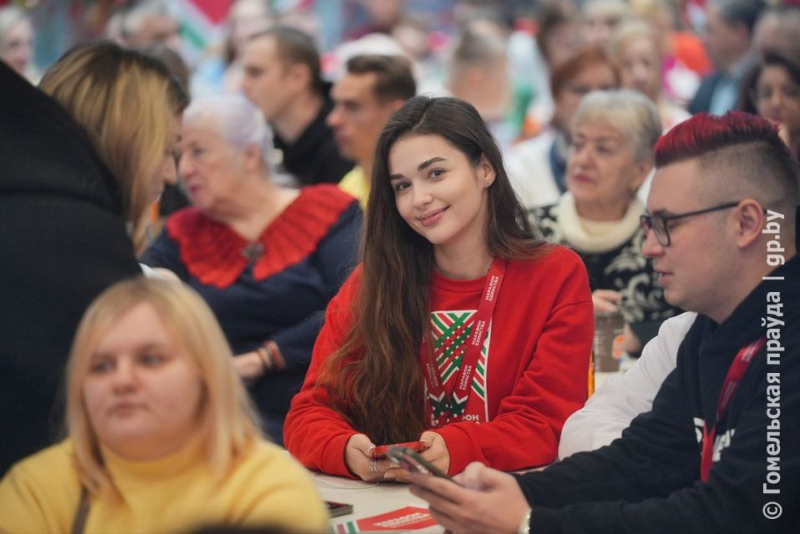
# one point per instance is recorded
(629, 31)
(228, 418)
(124, 101)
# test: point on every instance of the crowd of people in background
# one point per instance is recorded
(338, 225)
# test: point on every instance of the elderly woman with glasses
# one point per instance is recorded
(613, 135)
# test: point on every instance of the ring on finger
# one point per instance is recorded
(373, 466)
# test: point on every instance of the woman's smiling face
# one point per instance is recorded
(438, 191)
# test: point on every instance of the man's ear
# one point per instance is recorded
(396, 104)
(750, 220)
(300, 76)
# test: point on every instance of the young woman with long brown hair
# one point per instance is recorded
(446, 247)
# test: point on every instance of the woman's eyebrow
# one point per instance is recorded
(427, 163)
(421, 167)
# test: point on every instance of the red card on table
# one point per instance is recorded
(408, 518)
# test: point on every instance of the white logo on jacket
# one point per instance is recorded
(720, 442)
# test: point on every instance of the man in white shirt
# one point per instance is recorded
(622, 397)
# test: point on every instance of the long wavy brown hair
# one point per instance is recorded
(375, 379)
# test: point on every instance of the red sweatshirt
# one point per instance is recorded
(534, 363)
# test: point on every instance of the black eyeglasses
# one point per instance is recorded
(659, 223)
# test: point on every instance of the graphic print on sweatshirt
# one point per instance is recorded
(451, 330)
(721, 442)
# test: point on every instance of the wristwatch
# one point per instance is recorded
(525, 526)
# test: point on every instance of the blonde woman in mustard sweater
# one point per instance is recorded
(162, 436)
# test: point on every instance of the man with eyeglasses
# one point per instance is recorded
(720, 449)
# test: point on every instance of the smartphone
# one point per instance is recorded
(381, 450)
(336, 509)
(410, 460)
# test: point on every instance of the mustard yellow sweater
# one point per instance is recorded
(172, 494)
(356, 183)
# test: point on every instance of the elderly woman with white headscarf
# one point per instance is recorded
(267, 259)
(613, 135)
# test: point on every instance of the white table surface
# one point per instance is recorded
(368, 499)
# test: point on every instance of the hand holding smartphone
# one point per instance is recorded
(380, 451)
(412, 461)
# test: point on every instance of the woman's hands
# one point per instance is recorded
(253, 365)
(250, 366)
(436, 453)
(359, 460)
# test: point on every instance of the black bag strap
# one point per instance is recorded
(79, 522)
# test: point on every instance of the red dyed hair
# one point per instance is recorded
(740, 142)
(704, 133)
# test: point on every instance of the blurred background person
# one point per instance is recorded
(600, 18)
(558, 37)
(537, 167)
(221, 71)
(478, 72)
(372, 89)
(282, 76)
(635, 49)
(772, 90)
(423, 45)
(683, 57)
(382, 16)
(150, 21)
(80, 172)
(16, 42)
(777, 30)
(728, 40)
(559, 32)
(161, 434)
(613, 135)
(267, 259)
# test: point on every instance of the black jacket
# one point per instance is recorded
(701, 101)
(62, 241)
(648, 480)
(314, 157)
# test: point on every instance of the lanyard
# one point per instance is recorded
(736, 371)
(443, 409)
